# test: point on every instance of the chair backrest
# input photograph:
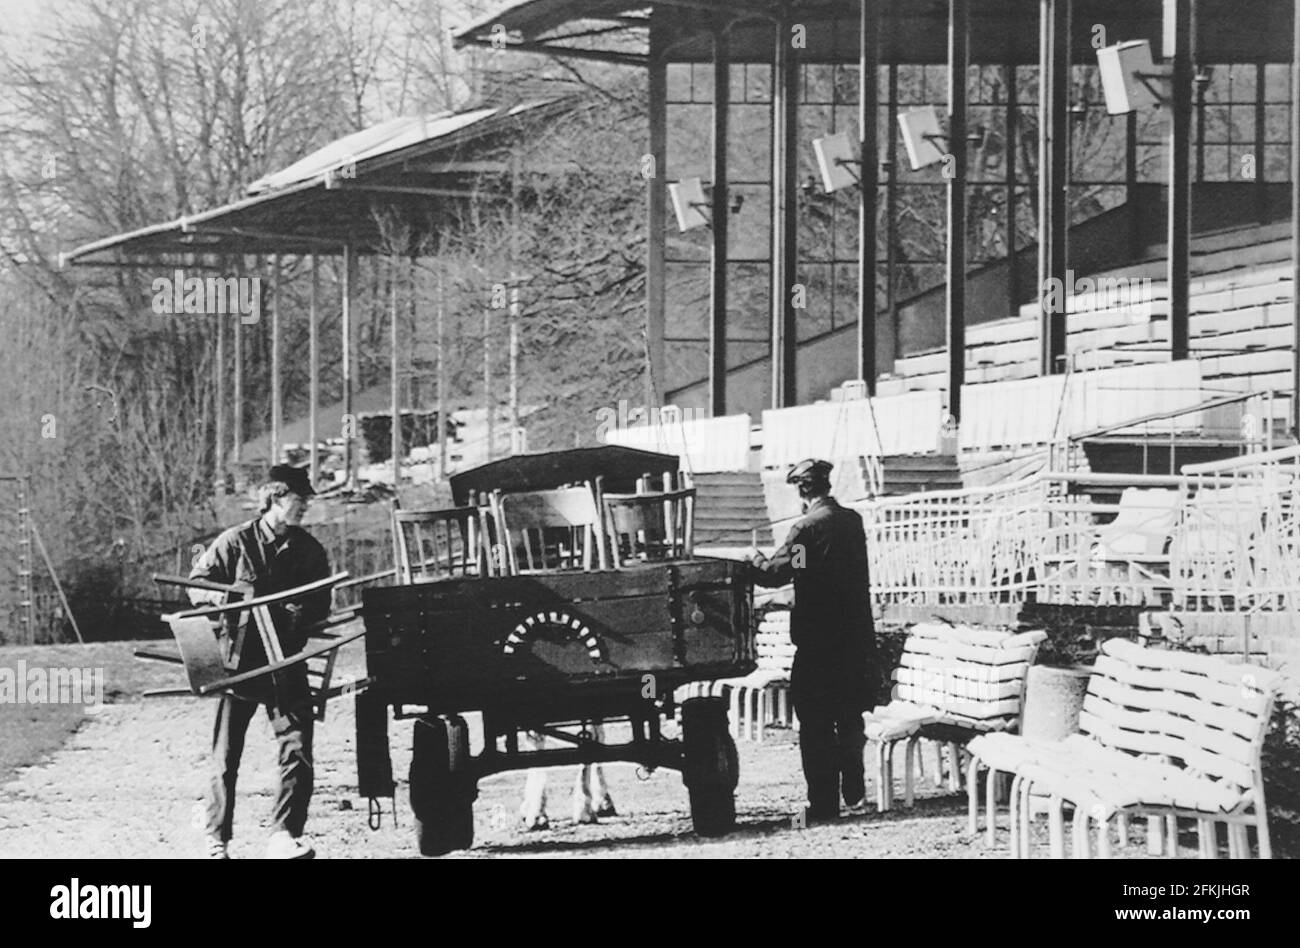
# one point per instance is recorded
(550, 529)
(438, 544)
(967, 673)
(1199, 711)
(1145, 521)
(651, 526)
(772, 646)
(1219, 521)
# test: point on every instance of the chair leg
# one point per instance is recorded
(1025, 815)
(1082, 850)
(991, 795)
(1103, 836)
(1171, 834)
(889, 773)
(1155, 836)
(1261, 832)
(1056, 827)
(1208, 830)
(954, 775)
(909, 784)
(1121, 824)
(972, 797)
(1236, 836)
(1013, 809)
(881, 804)
(734, 719)
(763, 696)
(936, 752)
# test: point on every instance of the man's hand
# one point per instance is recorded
(755, 556)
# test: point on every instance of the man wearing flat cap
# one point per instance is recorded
(267, 555)
(831, 682)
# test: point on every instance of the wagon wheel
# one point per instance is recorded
(442, 786)
(710, 768)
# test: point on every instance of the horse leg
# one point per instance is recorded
(533, 810)
(599, 788)
(583, 810)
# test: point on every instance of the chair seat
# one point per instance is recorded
(761, 678)
(1088, 774)
(897, 720)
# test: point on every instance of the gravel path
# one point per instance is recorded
(127, 783)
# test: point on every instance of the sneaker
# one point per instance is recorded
(284, 846)
(857, 809)
(217, 848)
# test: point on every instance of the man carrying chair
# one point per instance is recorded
(831, 681)
(267, 555)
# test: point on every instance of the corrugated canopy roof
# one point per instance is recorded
(913, 31)
(407, 168)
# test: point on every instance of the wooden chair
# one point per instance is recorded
(209, 672)
(651, 526)
(440, 544)
(550, 529)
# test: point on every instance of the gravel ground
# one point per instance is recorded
(128, 781)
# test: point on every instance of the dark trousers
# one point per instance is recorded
(831, 741)
(293, 733)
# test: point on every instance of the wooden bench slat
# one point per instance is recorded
(923, 662)
(969, 688)
(1224, 718)
(1248, 700)
(1231, 674)
(1218, 752)
(978, 655)
(976, 710)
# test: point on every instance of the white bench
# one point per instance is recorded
(953, 683)
(1163, 734)
(763, 696)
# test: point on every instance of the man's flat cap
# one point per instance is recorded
(809, 470)
(295, 477)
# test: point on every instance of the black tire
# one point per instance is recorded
(442, 786)
(710, 767)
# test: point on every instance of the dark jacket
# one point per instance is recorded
(251, 553)
(825, 554)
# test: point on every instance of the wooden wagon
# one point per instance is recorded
(560, 593)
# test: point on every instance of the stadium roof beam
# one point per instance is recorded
(912, 32)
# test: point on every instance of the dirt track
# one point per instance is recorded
(127, 782)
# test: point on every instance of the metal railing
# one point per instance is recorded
(1221, 537)
(1236, 547)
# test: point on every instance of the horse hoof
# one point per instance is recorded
(536, 824)
(606, 808)
(586, 816)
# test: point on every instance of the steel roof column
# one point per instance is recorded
(868, 96)
(348, 360)
(720, 213)
(313, 371)
(220, 398)
(277, 413)
(1053, 181)
(656, 202)
(1295, 219)
(958, 60)
(237, 354)
(394, 376)
(1180, 180)
(785, 121)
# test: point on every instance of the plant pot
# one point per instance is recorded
(1053, 700)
